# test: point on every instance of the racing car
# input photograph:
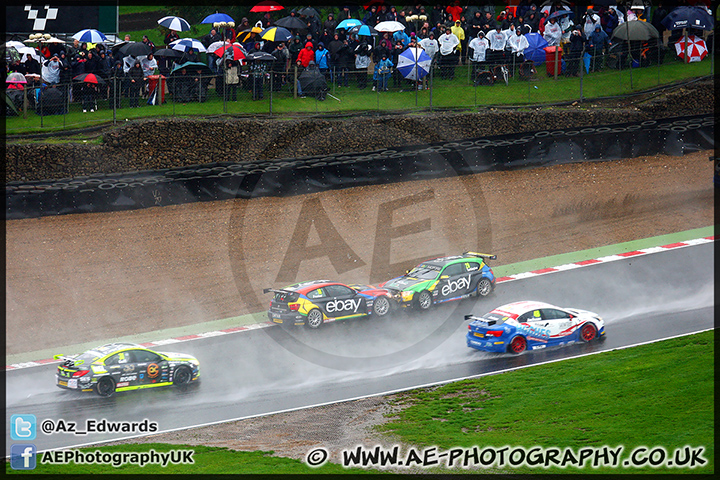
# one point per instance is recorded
(117, 367)
(319, 301)
(532, 325)
(443, 279)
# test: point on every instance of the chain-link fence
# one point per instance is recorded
(562, 76)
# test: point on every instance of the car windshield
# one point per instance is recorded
(424, 272)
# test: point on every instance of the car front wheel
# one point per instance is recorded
(424, 300)
(588, 332)
(182, 376)
(381, 307)
(105, 387)
(314, 318)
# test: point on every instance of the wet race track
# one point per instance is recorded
(273, 369)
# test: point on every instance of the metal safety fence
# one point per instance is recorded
(562, 76)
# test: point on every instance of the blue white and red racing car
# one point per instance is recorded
(532, 325)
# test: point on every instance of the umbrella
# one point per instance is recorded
(238, 52)
(260, 56)
(293, 23)
(244, 35)
(90, 36)
(688, 17)
(414, 63)
(135, 49)
(218, 18)
(389, 26)
(276, 34)
(24, 51)
(559, 13)
(308, 12)
(174, 23)
(536, 49)
(89, 78)
(635, 30)
(185, 44)
(349, 23)
(695, 48)
(194, 66)
(365, 30)
(14, 43)
(267, 6)
(167, 52)
(551, 3)
(15, 77)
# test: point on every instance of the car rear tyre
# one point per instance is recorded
(588, 332)
(182, 376)
(105, 387)
(424, 300)
(517, 345)
(314, 318)
(381, 307)
(484, 287)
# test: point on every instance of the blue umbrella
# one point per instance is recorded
(688, 17)
(349, 23)
(365, 30)
(218, 18)
(185, 44)
(414, 63)
(559, 13)
(90, 36)
(536, 50)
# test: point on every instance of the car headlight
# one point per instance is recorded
(406, 296)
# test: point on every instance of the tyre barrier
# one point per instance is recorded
(227, 180)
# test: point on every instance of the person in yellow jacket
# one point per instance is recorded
(460, 34)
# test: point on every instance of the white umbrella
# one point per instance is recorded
(174, 23)
(215, 45)
(90, 35)
(185, 44)
(15, 44)
(414, 63)
(24, 51)
(389, 26)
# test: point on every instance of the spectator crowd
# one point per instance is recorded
(451, 34)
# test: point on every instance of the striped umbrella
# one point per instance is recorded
(90, 35)
(185, 44)
(414, 63)
(174, 23)
(276, 34)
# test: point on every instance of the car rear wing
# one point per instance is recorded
(484, 256)
(480, 319)
(288, 295)
(66, 360)
(276, 290)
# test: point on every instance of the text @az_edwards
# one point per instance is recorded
(92, 425)
(686, 457)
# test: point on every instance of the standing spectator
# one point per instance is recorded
(334, 47)
(518, 43)
(475, 25)
(104, 65)
(280, 65)
(533, 22)
(498, 40)
(397, 76)
(553, 33)
(189, 56)
(322, 60)
(135, 77)
(383, 70)
(455, 11)
(431, 46)
(596, 43)
(51, 71)
(575, 52)
(117, 77)
(149, 65)
(147, 42)
(32, 66)
(330, 24)
(362, 62)
(90, 63)
(294, 48)
(658, 13)
(609, 20)
(171, 36)
(306, 55)
(636, 12)
(370, 17)
(488, 23)
(449, 43)
(207, 40)
(231, 80)
(590, 19)
(476, 52)
(459, 32)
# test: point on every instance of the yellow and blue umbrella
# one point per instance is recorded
(276, 34)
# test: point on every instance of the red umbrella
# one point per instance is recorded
(89, 78)
(267, 6)
(695, 48)
(238, 52)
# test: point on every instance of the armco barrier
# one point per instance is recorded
(222, 181)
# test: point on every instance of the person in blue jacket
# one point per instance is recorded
(322, 60)
(402, 36)
(383, 70)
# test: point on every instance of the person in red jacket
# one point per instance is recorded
(305, 55)
(455, 11)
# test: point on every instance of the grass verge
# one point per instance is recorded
(660, 394)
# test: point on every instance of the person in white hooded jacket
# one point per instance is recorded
(476, 51)
(449, 42)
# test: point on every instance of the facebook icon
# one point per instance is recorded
(22, 427)
(23, 456)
